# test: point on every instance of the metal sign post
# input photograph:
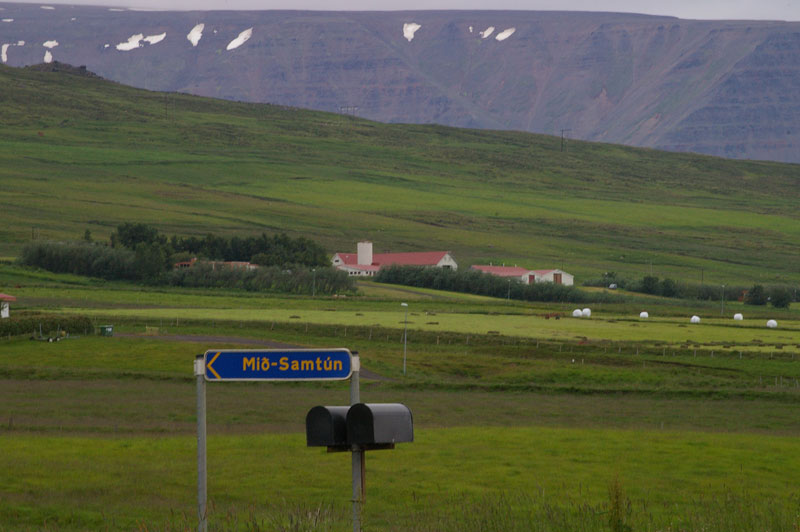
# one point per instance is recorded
(202, 514)
(358, 453)
(222, 365)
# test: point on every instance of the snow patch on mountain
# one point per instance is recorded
(240, 40)
(409, 29)
(196, 34)
(155, 39)
(505, 34)
(133, 42)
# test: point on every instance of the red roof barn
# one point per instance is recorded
(5, 299)
(366, 263)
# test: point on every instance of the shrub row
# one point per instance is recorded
(82, 258)
(779, 296)
(479, 283)
(147, 264)
(297, 280)
(48, 324)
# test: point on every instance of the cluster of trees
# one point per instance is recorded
(777, 296)
(476, 282)
(84, 258)
(277, 250)
(138, 252)
(297, 280)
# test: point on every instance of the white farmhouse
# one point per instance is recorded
(553, 276)
(365, 263)
(527, 276)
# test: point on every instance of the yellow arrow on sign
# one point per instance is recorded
(212, 369)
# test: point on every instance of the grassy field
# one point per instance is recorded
(522, 421)
(87, 154)
(562, 425)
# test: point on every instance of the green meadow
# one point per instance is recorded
(521, 422)
(525, 418)
(82, 153)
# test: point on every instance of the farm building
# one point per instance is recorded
(5, 299)
(365, 263)
(527, 276)
(513, 272)
(216, 264)
(553, 276)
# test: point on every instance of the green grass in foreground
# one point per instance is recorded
(514, 431)
(79, 483)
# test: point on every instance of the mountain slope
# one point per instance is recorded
(84, 153)
(728, 88)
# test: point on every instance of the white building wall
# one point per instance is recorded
(447, 262)
(365, 253)
(566, 278)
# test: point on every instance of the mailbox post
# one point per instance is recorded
(359, 428)
(358, 458)
(374, 426)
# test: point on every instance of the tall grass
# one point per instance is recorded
(539, 512)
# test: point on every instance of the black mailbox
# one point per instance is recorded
(326, 426)
(379, 425)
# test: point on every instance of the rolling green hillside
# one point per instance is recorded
(82, 153)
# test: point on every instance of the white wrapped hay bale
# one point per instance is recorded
(772, 324)
(644, 315)
(586, 313)
(738, 317)
(577, 313)
(695, 319)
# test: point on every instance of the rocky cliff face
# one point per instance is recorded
(724, 88)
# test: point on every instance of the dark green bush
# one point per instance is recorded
(296, 280)
(48, 324)
(780, 297)
(81, 258)
(650, 285)
(756, 296)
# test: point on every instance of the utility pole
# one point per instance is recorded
(562, 137)
(405, 336)
(722, 309)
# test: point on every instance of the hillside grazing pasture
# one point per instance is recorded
(82, 153)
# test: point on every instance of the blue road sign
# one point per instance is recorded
(278, 365)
